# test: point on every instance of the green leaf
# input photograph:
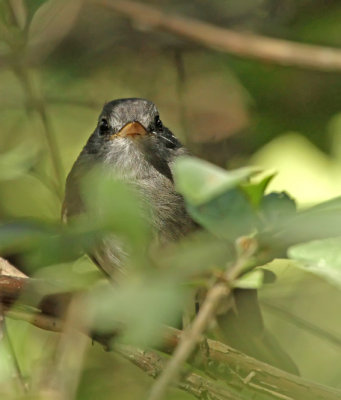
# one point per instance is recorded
(277, 208)
(141, 307)
(251, 280)
(255, 190)
(50, 24)
(228, 215)
(333, 204)
(214, 198)
(17, 161)
(22, 235)
(199, 181)
(320, 257)
(115, 206)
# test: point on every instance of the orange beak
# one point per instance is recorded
(131, 129)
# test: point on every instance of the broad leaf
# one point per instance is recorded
(255, 190)
(50, 24)
(251, 280)
(19, 12)
(320, 257)
(114, 206)
(214, 198)
(18, 161)
(199, 181)
(228, 215)
(139, 306)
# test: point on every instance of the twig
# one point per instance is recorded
(207, 312)
(180, 89)
(248, 45)
(189, 340)
(35, 102)
(9, 270)
(61, 375)
(11, 353)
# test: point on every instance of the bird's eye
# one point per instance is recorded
(158, 123)
(103, 126)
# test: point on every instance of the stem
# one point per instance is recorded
(189, 340)
(180, 88)
(193, 334)
(34, 101)
(11, 352)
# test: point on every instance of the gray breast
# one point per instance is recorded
(164, 207)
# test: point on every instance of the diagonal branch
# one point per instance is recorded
(248, 45)
(207, 313)
(189, 341)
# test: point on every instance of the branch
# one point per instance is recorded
(207, 313)
(189, 340)
(193, 383)
(237, 370)
(247, 45)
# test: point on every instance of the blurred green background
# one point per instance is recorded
(228, 110)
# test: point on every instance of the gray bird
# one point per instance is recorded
(131, 140)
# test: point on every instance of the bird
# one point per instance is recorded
(131, 140)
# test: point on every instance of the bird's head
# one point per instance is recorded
(130, 130)
(134, 119)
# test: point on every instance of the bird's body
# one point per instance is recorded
(131, 142)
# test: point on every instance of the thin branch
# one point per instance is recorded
(248, 45)
(36, 103)
(207, 312)
(189, 340)
(8, 269)
(14, 360)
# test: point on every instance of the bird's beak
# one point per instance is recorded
(131, 129)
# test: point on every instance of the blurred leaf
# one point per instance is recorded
(43, 244)
(319, 222)
(320, 257)
(196, 255)
(199, 181)
(18, 161)
(50, 24)
(326, 206)
(19, 12)
(307, 173)
(140, 307)
(80, 274)
(214, 198)
(22, 235)
(63, 246)
(116, 207)
(251, 280)
(277, 208)
(228, 215)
